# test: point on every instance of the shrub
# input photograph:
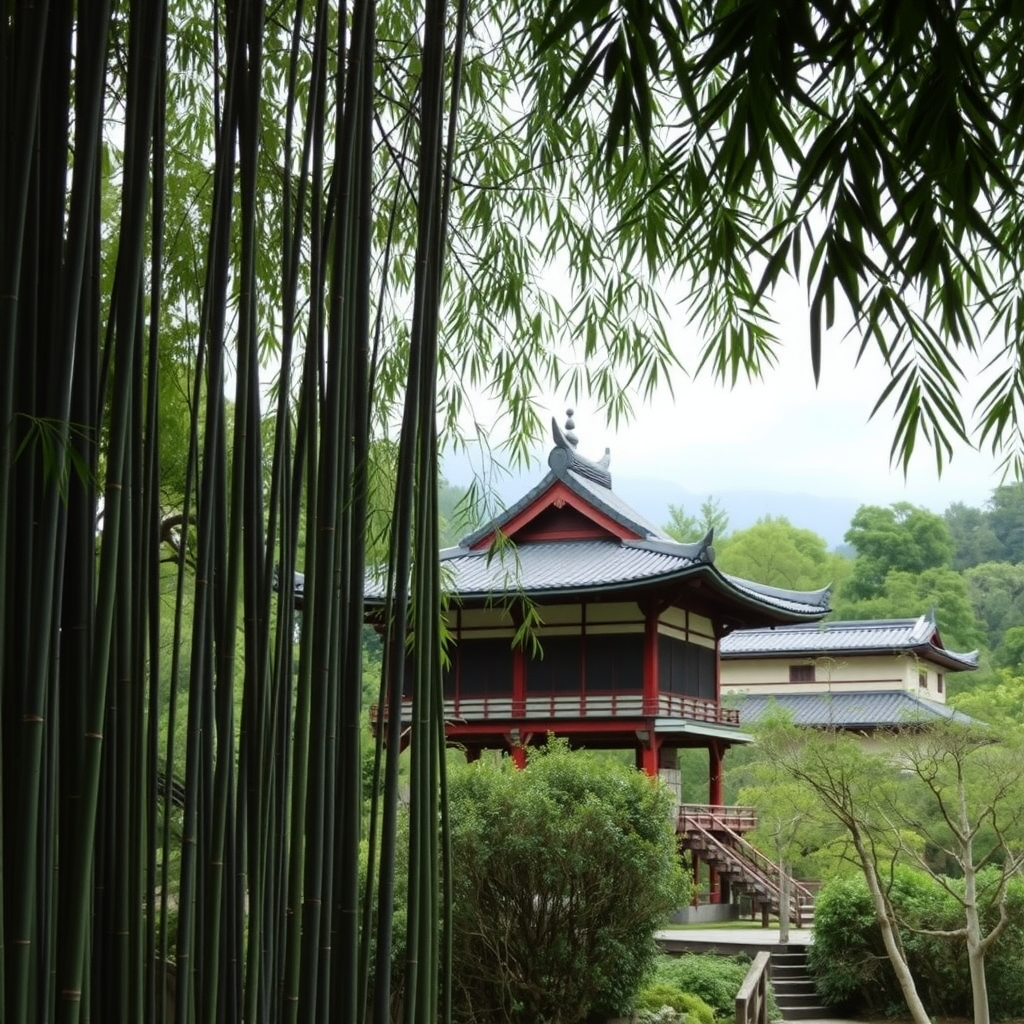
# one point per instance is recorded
(852, 970)
(715, 979)
(562, 873)
(655, 996)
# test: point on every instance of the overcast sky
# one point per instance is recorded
(779, 434)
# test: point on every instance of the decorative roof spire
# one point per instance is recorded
(564, 457)
(570, 429)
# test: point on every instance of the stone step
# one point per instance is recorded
(793, 985)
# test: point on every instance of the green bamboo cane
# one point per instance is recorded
(354, 262)
(22, 37)
(155, 997)
(193, 974)
(241, 117)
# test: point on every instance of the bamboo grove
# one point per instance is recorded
(231, 236)
(182, 754)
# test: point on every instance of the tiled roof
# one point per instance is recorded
(871, 636)
(865, 710)
(556, 565)
(635, 554)
(577, 565)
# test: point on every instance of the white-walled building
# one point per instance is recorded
(858, 675)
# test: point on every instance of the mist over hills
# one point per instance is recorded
(828, 516)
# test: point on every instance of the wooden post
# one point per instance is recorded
(715, 773)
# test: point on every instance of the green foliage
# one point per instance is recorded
(654, 997)
(562, 872)
(861, 150)
(715, 979)
(996, 592)
(907, 594)
(974, 540)
(999, 702)
(851, 968)
(775, 552)
(688, 528)
(902, 537)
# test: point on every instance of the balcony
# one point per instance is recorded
(577, 707)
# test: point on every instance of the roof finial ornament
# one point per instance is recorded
(570, 429)
(563, 458)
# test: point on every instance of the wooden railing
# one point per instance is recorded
(712, 816)
(752, 998)
(712, 822)
(576, 706)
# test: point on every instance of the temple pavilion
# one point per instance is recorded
(570, 614)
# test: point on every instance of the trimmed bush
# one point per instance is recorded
(852, 971)
(562, 873)
(715, 979)
(656, 996)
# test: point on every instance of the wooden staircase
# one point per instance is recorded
(793, 985)
(713, 833)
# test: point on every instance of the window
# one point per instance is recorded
(922, 678)
(941, 682)
(801, 673)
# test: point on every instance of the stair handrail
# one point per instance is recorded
(766, 879)
(762, 860)
(752, 998)
(737, 858)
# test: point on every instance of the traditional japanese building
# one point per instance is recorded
(867, 677)
(570, 614)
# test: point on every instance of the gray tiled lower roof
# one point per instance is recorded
(848, 637)
(868, 710)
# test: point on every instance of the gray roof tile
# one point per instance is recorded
(866, 710)
(850, 637)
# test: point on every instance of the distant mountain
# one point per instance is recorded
(829, 517)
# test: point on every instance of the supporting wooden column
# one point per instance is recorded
(648, 744)
(715, 773)
(650, 669)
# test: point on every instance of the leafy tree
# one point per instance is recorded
(974, 540)
(948, 788)
(907, 594)
(974, 779)
(844, 781)
(996, 591)
(999, 702)
(902, 537)
(562, 872)
(852, 971)
(1006, 519)
(687, 528)
(775, 552)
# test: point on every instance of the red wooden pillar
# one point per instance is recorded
(519, 756)
(518, 683)
(715, 773)
(648, 746)
(651, 664)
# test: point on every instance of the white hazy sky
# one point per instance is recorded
(781, 434)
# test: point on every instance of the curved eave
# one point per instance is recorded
(955, 661)
(678, 574)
